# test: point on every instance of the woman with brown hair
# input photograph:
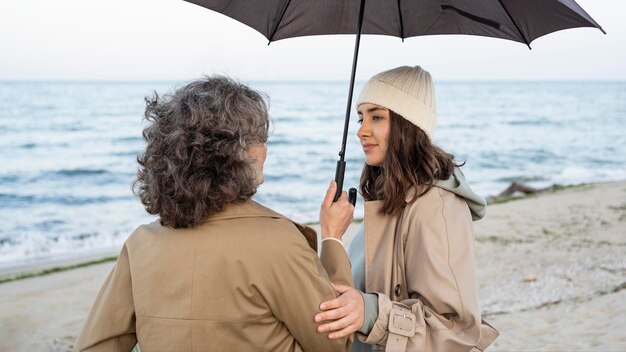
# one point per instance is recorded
(217, 271)
(413, 259)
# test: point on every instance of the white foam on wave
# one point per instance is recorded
(39, 247)
(573, 175)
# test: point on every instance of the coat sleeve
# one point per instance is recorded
(110, 325)
(297, 284)
(440, 279)
(335, 261)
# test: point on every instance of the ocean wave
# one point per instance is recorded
(28, 145)
(283, 177)
(278, 141)
(7, 241)
(9, 178)
(576, 175)
(49, 224)
(126, 153)
(281, 198)
(36, 246)
(489, 164)
(537, 155)
(128, 139)
(9, 201)
(68, 128)
(90, 177)
(534, 122)
(80, 172)
(471, 126)
(523, 178)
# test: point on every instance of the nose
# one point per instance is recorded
(364, 130)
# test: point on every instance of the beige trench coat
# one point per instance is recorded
(424, 259)
(245, 280)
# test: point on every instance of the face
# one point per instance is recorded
(374, 132)
(258, 153)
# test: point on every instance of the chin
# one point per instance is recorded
(370, 163)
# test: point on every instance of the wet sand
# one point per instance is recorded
(551, 271)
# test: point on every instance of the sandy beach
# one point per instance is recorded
(551, 270)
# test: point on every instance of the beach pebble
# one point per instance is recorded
(530, 278)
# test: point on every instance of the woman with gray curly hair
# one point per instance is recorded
(217, 271)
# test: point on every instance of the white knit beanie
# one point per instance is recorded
(407, 91)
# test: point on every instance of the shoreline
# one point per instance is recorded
(43, 267)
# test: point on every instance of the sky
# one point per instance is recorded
(175, 40)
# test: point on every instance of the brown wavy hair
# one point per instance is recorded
(196, 161)
(411, 160)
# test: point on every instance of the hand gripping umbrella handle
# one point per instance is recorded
(341, 168)
(339, 173)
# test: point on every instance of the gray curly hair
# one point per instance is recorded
(196, 160)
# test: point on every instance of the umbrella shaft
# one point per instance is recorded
(341, 164)
(352, 76)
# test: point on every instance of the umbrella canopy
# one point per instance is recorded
(518, 20)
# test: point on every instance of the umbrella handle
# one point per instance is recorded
(339, 173)
(341, 168)
(352, 196)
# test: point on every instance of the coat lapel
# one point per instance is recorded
(379, 247)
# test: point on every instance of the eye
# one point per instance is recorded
(360, 121)
(377, 117)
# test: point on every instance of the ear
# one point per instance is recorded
(254, 151)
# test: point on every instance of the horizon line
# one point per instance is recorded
(621, 80)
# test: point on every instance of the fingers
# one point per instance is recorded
(335, 217)
(340, 306)
(348, 330)
(330, 194)
(345, 202)
(343, 315)
(333, 314)
(346, 323)
(343, 198)
(333, 303)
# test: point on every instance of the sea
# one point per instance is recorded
(68, 151)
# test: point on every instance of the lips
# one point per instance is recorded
(368, 147)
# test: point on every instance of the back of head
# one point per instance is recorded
(195, 161)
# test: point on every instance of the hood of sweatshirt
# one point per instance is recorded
(457, 185)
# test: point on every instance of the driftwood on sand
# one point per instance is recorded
(519, 187)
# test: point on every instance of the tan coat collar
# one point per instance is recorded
(247, 209)
(252, 209)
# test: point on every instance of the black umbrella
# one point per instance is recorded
(519, 20)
